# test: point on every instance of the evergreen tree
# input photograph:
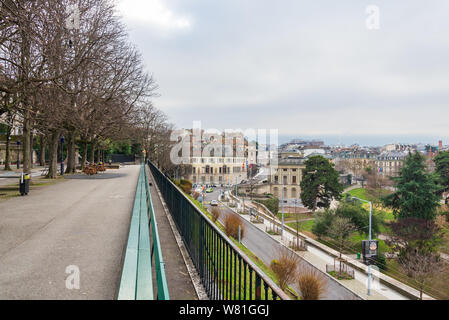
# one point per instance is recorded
(417, 191)
(442, 170)
(320, 183)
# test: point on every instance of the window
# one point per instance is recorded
(276, 179)
(285, 180)
(294, 179)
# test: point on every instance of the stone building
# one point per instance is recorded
(390, 163)
(216, 158)
(286, 175)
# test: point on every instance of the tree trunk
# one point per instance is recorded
(98, 154)
(92, 153)
(8, 154)
(84, 159)
(31, 149)
(71, 153)
(43, 147)
(26, 143)
(53, 163)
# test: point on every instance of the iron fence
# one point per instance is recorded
(225, 271)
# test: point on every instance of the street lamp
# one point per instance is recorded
(62, 155)
(18, 154)
(282, 211)
(369, 238)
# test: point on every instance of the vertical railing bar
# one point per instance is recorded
(235, 275)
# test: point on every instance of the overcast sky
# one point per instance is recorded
(307, 68)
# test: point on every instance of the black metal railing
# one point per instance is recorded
(225, 271)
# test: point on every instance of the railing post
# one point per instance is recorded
(258, 287)
(201, 253)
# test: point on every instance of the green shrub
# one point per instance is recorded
(272, 204)
(323, 220)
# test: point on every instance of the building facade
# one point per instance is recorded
(217, 170)
(286, 176)
(390, 163)
(215, 158)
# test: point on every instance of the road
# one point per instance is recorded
(82, 221)
(267, 248)
(320, 259)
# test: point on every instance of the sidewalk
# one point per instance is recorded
(180, 286)
(81, 221)
(12, 177)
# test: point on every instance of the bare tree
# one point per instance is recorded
(285, 267)
(340, 230)
(311, 283)
(421, 265)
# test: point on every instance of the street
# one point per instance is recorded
(266, 248)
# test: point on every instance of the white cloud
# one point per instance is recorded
(153, 12)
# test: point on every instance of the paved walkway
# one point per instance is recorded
(82, 221)
(179, 282)
(12, 177)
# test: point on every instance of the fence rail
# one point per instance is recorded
(137, 278)
(340, 270)
(225, 271)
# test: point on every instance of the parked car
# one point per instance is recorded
(214, 203)
(209, 190)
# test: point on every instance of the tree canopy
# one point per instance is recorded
(442, 169)
(417, 191)
(320, 183)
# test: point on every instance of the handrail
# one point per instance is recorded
(225, 271)
(156, 251)
(137, 278)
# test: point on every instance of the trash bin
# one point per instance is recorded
(24, 184)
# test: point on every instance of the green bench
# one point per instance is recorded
(137, 277)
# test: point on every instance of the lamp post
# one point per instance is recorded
(18, 154)
(282, 211)
(62, 155)
(369, 238)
